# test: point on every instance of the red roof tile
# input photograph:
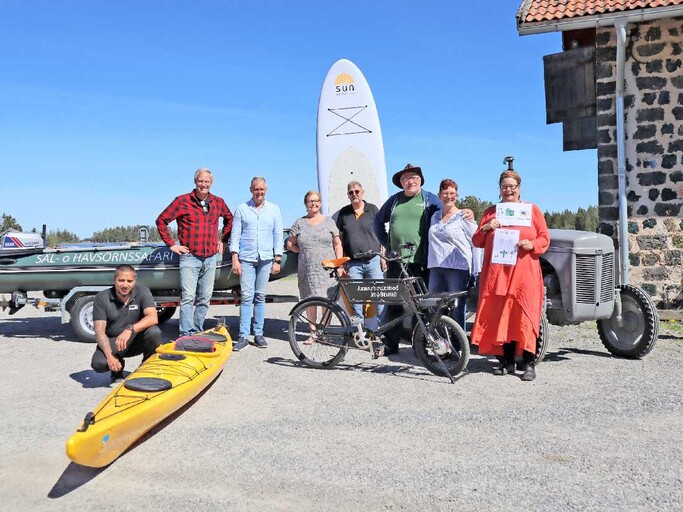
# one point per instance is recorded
(548, 10)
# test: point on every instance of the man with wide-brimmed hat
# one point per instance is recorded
(408, 213)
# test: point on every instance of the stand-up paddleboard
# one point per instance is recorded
(349, 139)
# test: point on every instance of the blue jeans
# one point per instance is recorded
(366, 269)
(451, 280)
(254, 283)
(196, 285)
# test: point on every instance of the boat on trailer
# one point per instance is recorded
(70, 276)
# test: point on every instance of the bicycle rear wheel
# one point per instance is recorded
(450, 343)
(312, 340)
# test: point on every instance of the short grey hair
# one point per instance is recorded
(202, 170)
(352, 183)
(255, 179)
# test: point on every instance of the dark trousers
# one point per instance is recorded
(393, 336)
(144, 342)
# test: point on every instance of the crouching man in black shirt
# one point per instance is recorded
(125, 319)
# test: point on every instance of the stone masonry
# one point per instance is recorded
(654, 152)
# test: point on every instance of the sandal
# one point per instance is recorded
(308, 341)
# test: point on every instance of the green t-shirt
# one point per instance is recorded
(404, 225)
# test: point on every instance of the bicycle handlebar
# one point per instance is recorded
(392, 256)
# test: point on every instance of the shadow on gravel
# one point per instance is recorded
(404, 371)
(38, 327)
(92, 379)
(75, 475)
(558, 356)
(276, 329)
(72, 478)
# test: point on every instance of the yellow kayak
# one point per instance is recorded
(164, 383)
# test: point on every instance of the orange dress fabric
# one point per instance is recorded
(510, 296)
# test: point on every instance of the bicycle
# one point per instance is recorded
(321, 337)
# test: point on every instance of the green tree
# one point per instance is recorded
(476, 205)
(582, 219)
(60, 236)
(8, 222)
(129, 234)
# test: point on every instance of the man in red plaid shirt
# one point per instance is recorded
(196, 215)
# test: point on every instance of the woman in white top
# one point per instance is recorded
(450, 248)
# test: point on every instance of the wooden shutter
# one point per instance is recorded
(570, 84)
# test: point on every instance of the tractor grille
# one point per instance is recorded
(607, 278)
(585, 279)
(586, 289)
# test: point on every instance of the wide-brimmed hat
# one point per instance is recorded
(408, 168)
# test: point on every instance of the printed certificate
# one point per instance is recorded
(513, 214)
(505, 246)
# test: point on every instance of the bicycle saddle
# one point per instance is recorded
(335, 263)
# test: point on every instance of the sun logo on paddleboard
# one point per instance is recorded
(343, 84)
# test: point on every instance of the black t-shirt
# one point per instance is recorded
(358, 234)
(117, 314)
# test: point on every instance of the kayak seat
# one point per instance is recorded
(210, 336)
(147, 384)
(194, 344)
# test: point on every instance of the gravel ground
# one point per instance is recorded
(592, 432)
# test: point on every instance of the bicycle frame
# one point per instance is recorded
(410, 292)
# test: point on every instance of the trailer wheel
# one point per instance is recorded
(81, 318)
(165, 313)
(637, 332)
(542, 340)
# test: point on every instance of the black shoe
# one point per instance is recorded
(116, 376)
(529, 373)
(240, 343)
(260, 342)
(505, 369)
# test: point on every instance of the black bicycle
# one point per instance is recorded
(321, 331)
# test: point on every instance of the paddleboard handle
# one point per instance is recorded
(508, 160)
(87, 421)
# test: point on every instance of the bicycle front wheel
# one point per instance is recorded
(315, 332)
(449, 342)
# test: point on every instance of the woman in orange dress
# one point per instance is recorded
(510, 295)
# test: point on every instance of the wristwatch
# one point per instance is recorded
(278, 261)
(130, 328)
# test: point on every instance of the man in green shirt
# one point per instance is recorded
(408, 213)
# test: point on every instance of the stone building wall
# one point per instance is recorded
(654, 152)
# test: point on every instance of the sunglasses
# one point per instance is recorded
(354, 192)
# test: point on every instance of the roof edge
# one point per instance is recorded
(597, 20)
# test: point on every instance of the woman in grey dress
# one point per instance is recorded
(316, 238)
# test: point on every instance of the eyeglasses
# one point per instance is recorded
(415, 177)
(354, 192)
(510, 187)
(313, 201)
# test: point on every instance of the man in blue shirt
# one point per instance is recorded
(256, 245)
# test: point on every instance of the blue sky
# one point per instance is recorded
(106, 109)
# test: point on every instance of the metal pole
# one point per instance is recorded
(620, 27)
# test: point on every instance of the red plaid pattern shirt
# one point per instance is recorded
(197, 229)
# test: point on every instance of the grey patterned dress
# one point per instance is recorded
(315, 245)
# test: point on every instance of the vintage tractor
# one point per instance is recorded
(580, 279)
